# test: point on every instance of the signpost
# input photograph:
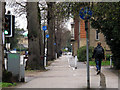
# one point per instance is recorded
(44, 29)
(85, 14)
(47, 36)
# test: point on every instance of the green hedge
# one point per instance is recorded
(81, 53)
(107, 56)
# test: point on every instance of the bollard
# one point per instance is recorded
(69, 61)
(45, 61)
(75, 62)
(110, 61)
(56, 55)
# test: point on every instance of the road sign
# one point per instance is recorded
(85, 13)
(54, 43)
(47, 36)
(44, 28)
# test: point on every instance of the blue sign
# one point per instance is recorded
(54, 43)
(85, 13)
(44, 28)
(47, 36)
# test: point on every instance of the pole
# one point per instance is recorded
(110, 61)
(44, 48)
(1, 44)
(79, 35)
(87, 54)
(75, 62)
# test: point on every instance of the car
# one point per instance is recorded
(65, 53)
(69, 53)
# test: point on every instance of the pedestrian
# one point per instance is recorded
(98, 54)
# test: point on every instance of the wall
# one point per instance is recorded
(91, 33)
(93, 41)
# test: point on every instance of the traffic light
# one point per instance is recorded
(9, 25)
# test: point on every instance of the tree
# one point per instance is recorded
(35, 59)
(14, 40)
(51, 30)
(106, 18)
(34, 31)
(2, 14)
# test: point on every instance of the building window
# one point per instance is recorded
(97, 35)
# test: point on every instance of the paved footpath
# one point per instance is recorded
(108, 77)
(61, 74)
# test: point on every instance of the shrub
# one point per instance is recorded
(81, 53)
(6, 76)
(107, 56)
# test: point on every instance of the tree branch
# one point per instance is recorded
(20, 4)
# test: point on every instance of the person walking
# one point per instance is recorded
(98, 54)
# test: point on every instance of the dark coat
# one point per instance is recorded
(94, 53)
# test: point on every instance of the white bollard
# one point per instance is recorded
(110, 61)
(69, 61)
(75, 62)
(56, 55)
(45, 61)
(5, 61)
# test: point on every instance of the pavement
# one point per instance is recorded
(62, 74)
(107, 79)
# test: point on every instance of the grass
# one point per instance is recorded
(104, 63)
(3, 84)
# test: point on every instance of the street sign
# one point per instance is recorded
(54, 43)
(44, 28)
(47, 36)
(85, 13)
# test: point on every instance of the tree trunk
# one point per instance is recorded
(51, 31)
(1, 42)
(40, 36)
(34, 60)
(2, 15)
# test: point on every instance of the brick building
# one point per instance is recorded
(79, 36)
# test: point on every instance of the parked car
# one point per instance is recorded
(69, 53)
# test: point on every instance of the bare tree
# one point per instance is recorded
(35, 60)
(51, 31)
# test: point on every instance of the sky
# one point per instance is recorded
(21, 22)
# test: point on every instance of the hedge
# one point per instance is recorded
(81, 53)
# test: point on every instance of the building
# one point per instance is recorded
(78, 36)
(23, 41)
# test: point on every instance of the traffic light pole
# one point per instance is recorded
(87, 54)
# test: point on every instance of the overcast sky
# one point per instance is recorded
(22, 21)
